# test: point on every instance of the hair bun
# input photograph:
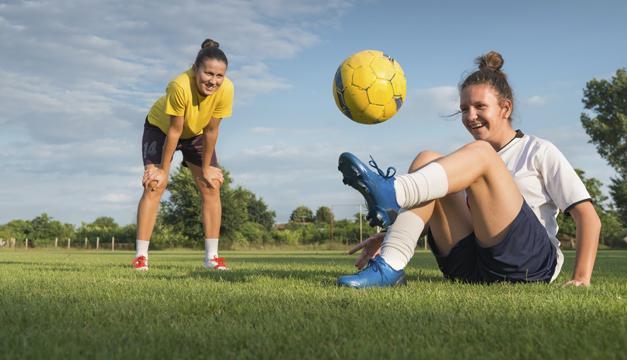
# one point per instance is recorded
(209, 42)
(492, 61)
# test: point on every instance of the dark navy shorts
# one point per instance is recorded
(526, 254)
(154, 139)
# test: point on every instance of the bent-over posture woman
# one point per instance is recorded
(187, 118)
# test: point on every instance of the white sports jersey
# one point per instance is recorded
(546, 180)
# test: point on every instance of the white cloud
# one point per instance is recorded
(538, 100)
(118, 198)
(255, 79)
(274, 131)
(428, 104)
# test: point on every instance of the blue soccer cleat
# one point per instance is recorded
(377, 273)
(377, 189)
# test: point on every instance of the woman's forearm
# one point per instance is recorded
(588, 229)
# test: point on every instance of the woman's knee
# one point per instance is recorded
(483, 148)
(210, 194)
(154, 194)
(424, 158)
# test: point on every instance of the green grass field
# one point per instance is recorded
(87, 304)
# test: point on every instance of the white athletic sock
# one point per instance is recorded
(141, 248)
(401, 239)
(426, 184)
(211, 249)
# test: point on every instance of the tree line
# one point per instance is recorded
(43, 230)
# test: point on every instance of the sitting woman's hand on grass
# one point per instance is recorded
(575, 283)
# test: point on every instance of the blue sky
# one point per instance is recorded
(78, 77)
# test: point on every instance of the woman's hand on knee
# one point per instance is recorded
(212, 174)
(369, 248)
(154, 174)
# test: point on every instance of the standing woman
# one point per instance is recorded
(187, 118)
(489, 208)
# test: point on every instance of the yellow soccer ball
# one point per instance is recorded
(369, 87)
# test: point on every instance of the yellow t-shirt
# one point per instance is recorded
(182, 99)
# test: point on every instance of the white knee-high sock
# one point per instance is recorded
(141, 248)
(211, 249)
(401, 239)
(426, 184)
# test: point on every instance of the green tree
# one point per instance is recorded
(286, 237)
(611, 229)
(608, 130)
(105, 228)
(618, 190)
(182, 210)
(18, 229)
(105, 222)
(45, 228)
(253, 232)
(302, 214)
(258, 211)
(323, 215)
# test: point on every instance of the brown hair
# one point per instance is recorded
(210, 50)
(490, 73)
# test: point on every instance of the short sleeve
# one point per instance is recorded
(175, 100)
(560, 179)
(223, 109)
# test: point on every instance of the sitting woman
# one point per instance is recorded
(489, 208)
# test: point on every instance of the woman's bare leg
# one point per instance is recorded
(148, 208)
(211, 205)
(493, 197)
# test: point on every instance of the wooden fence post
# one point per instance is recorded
(85, 243)
(97, 243)
(55, 241)
(26, 244)
(68, 243)
(113, 243)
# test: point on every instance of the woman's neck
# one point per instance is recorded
(508, 135)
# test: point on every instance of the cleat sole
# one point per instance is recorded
(353, 177)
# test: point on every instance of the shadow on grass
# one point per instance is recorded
(326, 277)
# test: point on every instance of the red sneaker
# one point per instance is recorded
(140, 263)
(216, 263)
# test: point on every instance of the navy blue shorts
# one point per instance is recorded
(526, 254)
(154, 139)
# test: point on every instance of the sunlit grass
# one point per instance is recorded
(82, 304)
